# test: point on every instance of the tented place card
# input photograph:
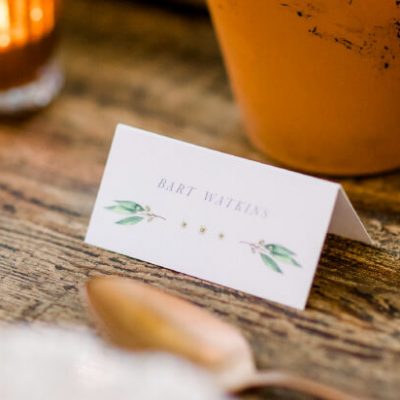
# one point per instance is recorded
(218, 217)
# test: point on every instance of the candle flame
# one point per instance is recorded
(4, 15)
(4, 24)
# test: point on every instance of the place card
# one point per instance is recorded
(225, 219)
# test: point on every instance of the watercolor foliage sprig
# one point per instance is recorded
(134, 212)
(273, 255)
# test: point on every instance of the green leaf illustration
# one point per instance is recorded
(130, 206)
(130, 220)
(273, 255)
(119, 209)
(134, 211)
(278, 250)
(269, 262)
(287, 260)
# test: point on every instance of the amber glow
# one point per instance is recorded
(25, 21)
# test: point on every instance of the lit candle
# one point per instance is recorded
(27, 39)
(27, 43)
(25, 21)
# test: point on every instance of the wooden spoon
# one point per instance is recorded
(137, 316)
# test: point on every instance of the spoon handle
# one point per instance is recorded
(290, 381)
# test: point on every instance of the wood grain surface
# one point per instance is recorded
(161, 69)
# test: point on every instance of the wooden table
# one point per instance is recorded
(161, 70)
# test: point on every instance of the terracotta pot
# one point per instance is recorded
(317, 81)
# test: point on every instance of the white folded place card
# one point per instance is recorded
(218, 217)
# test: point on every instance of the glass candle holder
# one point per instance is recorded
(29, 76)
